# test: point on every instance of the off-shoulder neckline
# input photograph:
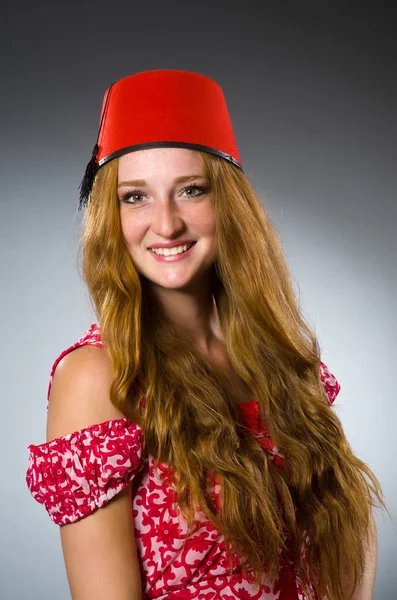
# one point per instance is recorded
(94, 430)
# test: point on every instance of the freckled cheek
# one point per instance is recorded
(206, 227)
(205, 221)
(132, 232)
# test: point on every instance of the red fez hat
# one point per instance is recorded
(165, 108)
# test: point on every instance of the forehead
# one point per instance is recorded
(160, 162)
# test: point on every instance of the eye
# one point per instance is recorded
(131, 197)
(197, 188)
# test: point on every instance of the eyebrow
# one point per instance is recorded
(142, 182)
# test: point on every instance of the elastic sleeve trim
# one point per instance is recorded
(76, 474)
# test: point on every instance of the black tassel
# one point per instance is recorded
(88, 179)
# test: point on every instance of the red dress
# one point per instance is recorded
(76, 474)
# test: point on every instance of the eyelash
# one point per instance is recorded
(128, 195)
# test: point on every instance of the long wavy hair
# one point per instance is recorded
(322, 499)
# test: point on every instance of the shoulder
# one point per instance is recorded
(87, 367)
(79, 391)
(91, 338)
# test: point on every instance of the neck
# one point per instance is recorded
(194, 311)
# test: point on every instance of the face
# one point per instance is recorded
(165, 199)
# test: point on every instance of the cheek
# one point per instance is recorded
(205, 222)
(130, 228)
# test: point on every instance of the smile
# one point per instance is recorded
(172, 254)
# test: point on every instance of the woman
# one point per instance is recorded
(197, 415)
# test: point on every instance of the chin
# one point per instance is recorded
(180, 284)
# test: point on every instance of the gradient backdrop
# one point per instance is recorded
(311, 89)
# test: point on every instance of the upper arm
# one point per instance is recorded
(99, 550)
(100, 553)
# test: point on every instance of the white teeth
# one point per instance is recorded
(171, 251)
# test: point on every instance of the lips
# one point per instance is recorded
(189, 245)
(173, 257)
(172, 244)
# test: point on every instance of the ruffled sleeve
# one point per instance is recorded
(330, 383)
(74, 475)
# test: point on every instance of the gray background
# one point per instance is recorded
(311, 89)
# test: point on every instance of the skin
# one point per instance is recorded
(166, 211)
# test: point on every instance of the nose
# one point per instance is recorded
(166, 221)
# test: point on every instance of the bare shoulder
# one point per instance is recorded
(80, 392)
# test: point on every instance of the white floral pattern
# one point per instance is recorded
(76, 474)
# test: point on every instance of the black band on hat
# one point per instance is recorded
(148, 145)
